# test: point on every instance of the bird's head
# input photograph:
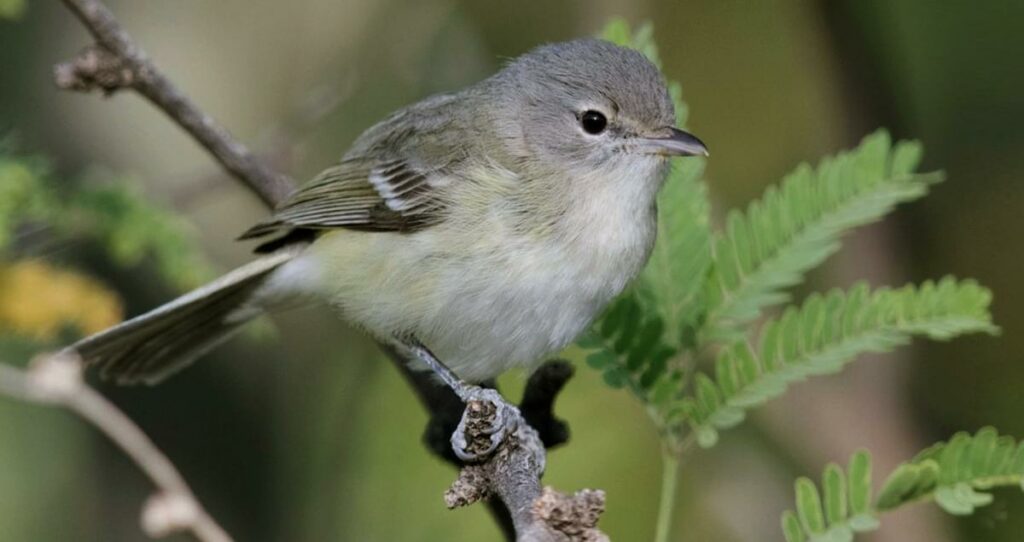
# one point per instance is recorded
(589, 105)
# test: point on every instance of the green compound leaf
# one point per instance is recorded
(681, 258)
(648, 325)
(679, 264)
(826, 333)
(957, 475)
(793, 228)
(626, 345)
(847, 504)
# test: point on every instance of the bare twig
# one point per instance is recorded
(56, 379)
(116, 62)
(513, 472)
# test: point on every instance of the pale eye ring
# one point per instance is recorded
(593, 122)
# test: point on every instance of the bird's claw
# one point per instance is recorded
(485, 423)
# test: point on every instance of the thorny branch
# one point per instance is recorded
(512, 473)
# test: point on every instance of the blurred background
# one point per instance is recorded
(305, 433)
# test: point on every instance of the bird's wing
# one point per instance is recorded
(395, 178)
(362, 194)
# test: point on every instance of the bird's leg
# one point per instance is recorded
(487, 413)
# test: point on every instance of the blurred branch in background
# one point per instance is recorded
(56, 379)
(116, 62)
(512, 472)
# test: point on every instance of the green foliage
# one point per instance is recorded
(22, 195)
(847, 504)
(702, 289)
(637, 339)
(682, 256)
(110, 212)
(619, 32)
(793, 228)
(12, 9)
(628, 347)
(680, 260)
(132, 229)
(955, 474)
(825, 333)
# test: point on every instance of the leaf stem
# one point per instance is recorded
(669, 483)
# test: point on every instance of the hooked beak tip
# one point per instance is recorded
(688, 144)
(676, 143)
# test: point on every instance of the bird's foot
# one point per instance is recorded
(486, 422)
(487, 419)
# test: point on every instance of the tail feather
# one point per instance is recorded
(154, 345)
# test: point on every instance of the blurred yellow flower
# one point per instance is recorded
(38, 300)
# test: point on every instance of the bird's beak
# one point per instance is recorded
(673, 142)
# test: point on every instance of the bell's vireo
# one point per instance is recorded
(490, 225)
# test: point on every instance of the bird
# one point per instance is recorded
(475, 231)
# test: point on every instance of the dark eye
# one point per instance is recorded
(593, 122)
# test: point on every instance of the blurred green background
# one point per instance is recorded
(307, 434)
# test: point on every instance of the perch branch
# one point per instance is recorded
(512, 473)
(56, 379)
(523, 511)
(114, 62)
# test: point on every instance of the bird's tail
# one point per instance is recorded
(151, 347)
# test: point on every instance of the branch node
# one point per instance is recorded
(55, 378)
(95, 67)
(168, 513)
(574, 516)
(471, 486)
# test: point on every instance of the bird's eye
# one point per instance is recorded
(593, 122)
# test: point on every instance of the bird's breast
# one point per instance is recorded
(483, 293)
(511, 305)
(516, 295)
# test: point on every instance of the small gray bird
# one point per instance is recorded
(486, 227)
